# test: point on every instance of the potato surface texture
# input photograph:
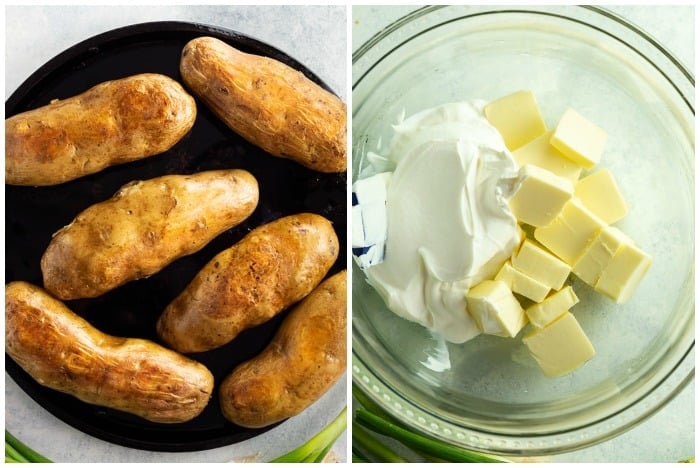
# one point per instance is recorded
(268, 103)
(144, 227)
(111, 123)
(303, 361)
(271, 268)
(62, 351)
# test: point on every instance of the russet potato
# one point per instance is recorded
(112, 123)
(271, 268)
(301, 363)
(62, 351)
(268, 103)
(144, 227)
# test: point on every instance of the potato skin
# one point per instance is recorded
(62, 351)
(111, 123)
(271, 268)
(145, 226)
(305, 358)
(268, 103)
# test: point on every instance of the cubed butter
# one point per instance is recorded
(598, 254)
(522, 284)
(579, 139)
(600, 193)
(539, 152)
(539, 195)
(569, 234)
(517, 117)
(495, 309)
(541, 265)
(560, 347)
(623, 273)
(554, 306)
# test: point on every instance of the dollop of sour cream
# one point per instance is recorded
(449, 226)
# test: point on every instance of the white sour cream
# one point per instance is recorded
(448, 221)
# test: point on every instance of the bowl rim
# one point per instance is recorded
(402, 21)
(676, 379)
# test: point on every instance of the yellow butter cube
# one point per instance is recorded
(555, 305)
(539, 195)
(623, 273)
(600, 194)
(560, 347)
(495, 309)
(517, 117)
(598, 254)
(541, 265)
(520, 283)
(579, 139)
(568, 235)
(539, 152)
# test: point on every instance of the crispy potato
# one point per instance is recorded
(305, 358)
(62, 351)
(268, 103)
(144, 227)
(112, 123)
(271, 268)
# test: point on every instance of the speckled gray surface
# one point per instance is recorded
(669, 435)
(315, 36)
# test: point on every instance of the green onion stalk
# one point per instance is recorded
(372, 425)
(17, 452)
(316, 448)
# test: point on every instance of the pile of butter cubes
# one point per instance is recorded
(571, 221)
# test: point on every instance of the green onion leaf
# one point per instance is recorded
(316, 448)
(12, 453)
(420, 443)
(369, 404)
(20, 452)
(371, 448)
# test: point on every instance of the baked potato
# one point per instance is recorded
(111, 123)
(268, 103)
(271, 268)
(144, 227)
(304, 359)
(62, 351)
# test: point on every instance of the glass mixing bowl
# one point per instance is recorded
(488, 394)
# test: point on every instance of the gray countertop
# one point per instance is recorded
(669, 435)
(315, 36)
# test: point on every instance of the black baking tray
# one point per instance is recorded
(33, 214)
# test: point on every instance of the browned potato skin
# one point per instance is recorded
(145, 226)
(270, 269)
(268, 103)
(112, 123)
(62, 351)
(305, 358)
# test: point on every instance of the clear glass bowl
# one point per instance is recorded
(488, 394)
